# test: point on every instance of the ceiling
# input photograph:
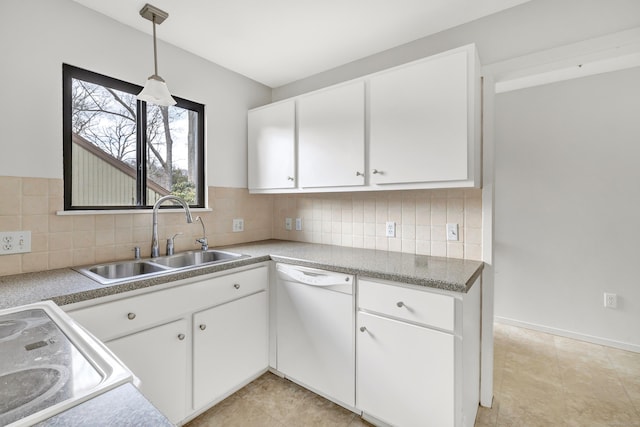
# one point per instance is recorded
(276, 42)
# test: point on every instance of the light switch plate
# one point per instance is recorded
(452, 232)
(298, 224)
(288, 224)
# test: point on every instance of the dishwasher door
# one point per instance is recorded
(315, 331)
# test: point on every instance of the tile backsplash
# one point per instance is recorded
(358, 220)
(59, 241)
(347, 219)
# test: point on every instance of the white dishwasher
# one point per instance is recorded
(315, 331)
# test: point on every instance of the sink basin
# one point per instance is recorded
(113, 272)
(194, 258)
(125, 269)
(116, 271)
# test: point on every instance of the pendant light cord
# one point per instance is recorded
(155, 48)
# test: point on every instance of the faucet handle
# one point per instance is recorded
(204, 242)
(170, 246)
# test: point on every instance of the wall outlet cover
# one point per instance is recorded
(610, 300)
(15, 242)
(298, 224)
(391, 229)
(288, 224)
(238, 225)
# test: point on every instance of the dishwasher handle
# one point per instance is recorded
(312, 277)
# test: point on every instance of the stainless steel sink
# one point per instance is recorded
(113, 272)
(117, 271)
(194, 258)
(126, 269)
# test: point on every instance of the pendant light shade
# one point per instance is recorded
(155, 90)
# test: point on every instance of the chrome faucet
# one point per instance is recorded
(154, 238)
(203, 240)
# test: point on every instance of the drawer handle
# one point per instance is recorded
(131, 316)
(363, 328)
(400, 304)
(203, 327)
(181, 337)
(236, 285)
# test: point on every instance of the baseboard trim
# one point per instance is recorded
(569, 334)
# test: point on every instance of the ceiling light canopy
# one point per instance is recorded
(155, 90)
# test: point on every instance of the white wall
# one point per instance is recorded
(534, 26)
(567, 207)
(37, 36)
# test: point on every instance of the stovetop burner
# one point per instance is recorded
(37, 385)
(36, 359)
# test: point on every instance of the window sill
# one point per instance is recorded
(127, 211)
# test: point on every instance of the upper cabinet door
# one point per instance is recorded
(331, 132)
(271, 147)
(419, 121)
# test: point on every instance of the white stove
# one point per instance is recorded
(49, 363)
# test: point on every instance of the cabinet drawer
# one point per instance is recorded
(120, 317)
(423, 307)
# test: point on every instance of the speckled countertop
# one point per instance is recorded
(436, 272)
(66, 286)
(123, 406)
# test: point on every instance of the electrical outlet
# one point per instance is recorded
(391, 229)
(238, 225)
(298, 224)
(288, 224)
(610, 300)
(15, 242)
(452, 232)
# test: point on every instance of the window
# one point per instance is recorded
(121, 153)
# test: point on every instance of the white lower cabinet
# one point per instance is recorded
(230, 344)
(405, 373)
(190, 344)
(417, 355)
(158, 357)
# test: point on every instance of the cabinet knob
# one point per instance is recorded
(236, 285)
(400, 304)
(203, 327)
(363, 329)
(290, 178)
(181, 337)
(376, 172)
(131, 316)
(359, 174)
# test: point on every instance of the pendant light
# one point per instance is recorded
(155, 90)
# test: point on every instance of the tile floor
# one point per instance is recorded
(539, 380)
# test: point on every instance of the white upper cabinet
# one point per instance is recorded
(413, 126)
(271, 146)
(419, 121)
(331, 143)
